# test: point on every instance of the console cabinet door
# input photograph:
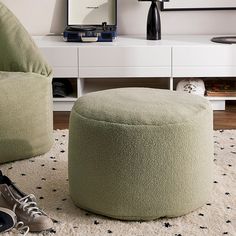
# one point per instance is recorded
(211, 61)
(64, 60)
(106, 61)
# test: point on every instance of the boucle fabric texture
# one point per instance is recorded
(17, 49)
(26, 123)
(140, 153)
(47, 177)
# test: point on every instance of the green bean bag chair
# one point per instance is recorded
(25, 93)
(140, 153)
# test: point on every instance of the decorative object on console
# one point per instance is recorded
(174, 5)
(91, 21)
(153, 21)
(221, 88)
(194, 86)
(226, 39)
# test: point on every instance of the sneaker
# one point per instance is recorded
(8, 219)
(24, 206)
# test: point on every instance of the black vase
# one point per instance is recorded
(154, 22)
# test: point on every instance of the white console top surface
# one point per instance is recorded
(134, 40)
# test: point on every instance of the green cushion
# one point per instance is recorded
(17, 49)
(140, 154)
(26, 121)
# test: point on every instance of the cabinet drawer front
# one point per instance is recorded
(117, 72)
(60, 56)
(204, 56)
(124, 56)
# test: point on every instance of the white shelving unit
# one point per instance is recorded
(134, 61)
(219, 103)
(221, 98)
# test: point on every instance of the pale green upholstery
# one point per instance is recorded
(140, 153)
(25, 93)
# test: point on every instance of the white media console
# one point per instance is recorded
(96, 66)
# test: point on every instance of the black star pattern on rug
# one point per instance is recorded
(96, 222)
(52, 162)
(203, 227)
(167, 225)
(52, 231)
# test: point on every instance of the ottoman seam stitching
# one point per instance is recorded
(87, 118)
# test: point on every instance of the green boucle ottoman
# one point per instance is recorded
(140, 153)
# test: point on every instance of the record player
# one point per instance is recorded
(91, 21)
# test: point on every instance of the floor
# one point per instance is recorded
(222, 119)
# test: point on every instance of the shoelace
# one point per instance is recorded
(28, 205)
(22, 228)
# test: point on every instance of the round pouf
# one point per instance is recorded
(140, 153)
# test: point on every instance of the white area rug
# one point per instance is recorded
(46, 177)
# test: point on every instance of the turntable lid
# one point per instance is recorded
(91, 12)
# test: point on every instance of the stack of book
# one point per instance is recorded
(221, 88)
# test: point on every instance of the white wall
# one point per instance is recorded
(49, 16)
